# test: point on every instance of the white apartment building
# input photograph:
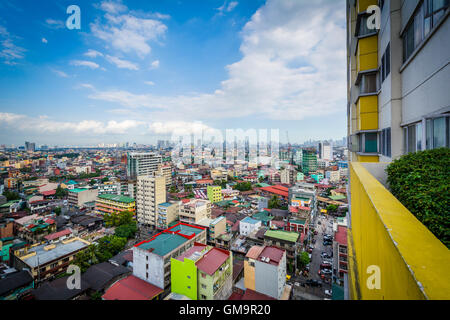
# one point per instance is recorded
(151, 191)
(195, 211)
(142, 164)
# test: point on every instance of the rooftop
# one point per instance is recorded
(132, 288)
(61, 249)
(282, 235)
(118, 198)
(212, 260)
(250, 220)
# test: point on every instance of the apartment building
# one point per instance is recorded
(79, 197)
(151, 191)
(151, 258)
(166, 171)
(195, 210)
(167, 213)
(114, 204)
(265, 270)
(288, 176)
(284, 240)
(45, 261)
(248, 226)
(142, 164)
(109, 188)
(398, 102)
(214, 194)
(203, 273)
(325, 151)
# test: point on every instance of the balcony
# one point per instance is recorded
(413, 263)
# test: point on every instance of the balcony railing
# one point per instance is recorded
(413, 263)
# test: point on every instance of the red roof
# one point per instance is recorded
(204, 181)
(253, 295)
(212, 260)
(57, 235)
(341, 235)
(235, 296)
(48, 193)
(132, 288)
(274, 254)
(279, 190)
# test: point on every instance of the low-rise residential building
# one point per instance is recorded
(284, 240)
(203, 273)
(34, 228)
(114, 204)
(79, 197)
(248, 225)
(109, 188)
(214, 193)
(194, 211)
(340, 252)
(45, 261)
(133, 288)
(151, 258)
(167, 213)
(265, 270)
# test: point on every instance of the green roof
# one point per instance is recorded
(9, 203)
(263, 185)
(335, 198)
(115, 197)
(262, 216)
(224, 203)
(282, 235)
(167, 242)
(77, 190)
(298, 221)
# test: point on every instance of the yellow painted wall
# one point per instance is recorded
(368, 158)
(367, 113)
(362, 5)
(386, 234)
(367, 54)
(249, 276)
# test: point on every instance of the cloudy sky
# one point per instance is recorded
(137, 71)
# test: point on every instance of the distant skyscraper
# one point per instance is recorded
(325, 151)
(30, 146)
(309, 160)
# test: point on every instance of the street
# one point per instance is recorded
(323, 224)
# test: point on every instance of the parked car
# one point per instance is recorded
(313, 283)
(325, 271)
(328, 293)
(327, 261)
(326, 266)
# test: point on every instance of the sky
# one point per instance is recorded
(140, 71)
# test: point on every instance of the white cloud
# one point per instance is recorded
(84, 63)
(43, 124)
(293, 67)
(44, 40)
(227, 7)
(9, 52)
(150, 83)
(127, 32)
(93, 54)
(154, 64)
(122, 64)
(55, 24)
(60, 73)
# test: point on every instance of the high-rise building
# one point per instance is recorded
(398, 102)
(142, 164)
(325, 151)
(151, 191)
(30, 146)
(309, 160)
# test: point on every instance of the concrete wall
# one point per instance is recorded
(155, 267)
(266, 279)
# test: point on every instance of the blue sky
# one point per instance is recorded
(139, 71)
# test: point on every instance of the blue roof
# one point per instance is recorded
(166, 204)
(250, 220)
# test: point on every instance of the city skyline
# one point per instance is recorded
(140, 72)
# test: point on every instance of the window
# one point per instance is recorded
(413, 137)
(385, 142)
(427, 16)
(386, 63)
(437, 133)
(203, 286)
(368, 142)
(369, 83)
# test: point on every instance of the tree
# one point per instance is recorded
(11, 195)
(274, 203)
(126, 231)
(261, 179)
(332, 208)
(303, 260)
(57, 211)
(118, 219)
(92, 182)
(243, 186)
(61, 193)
